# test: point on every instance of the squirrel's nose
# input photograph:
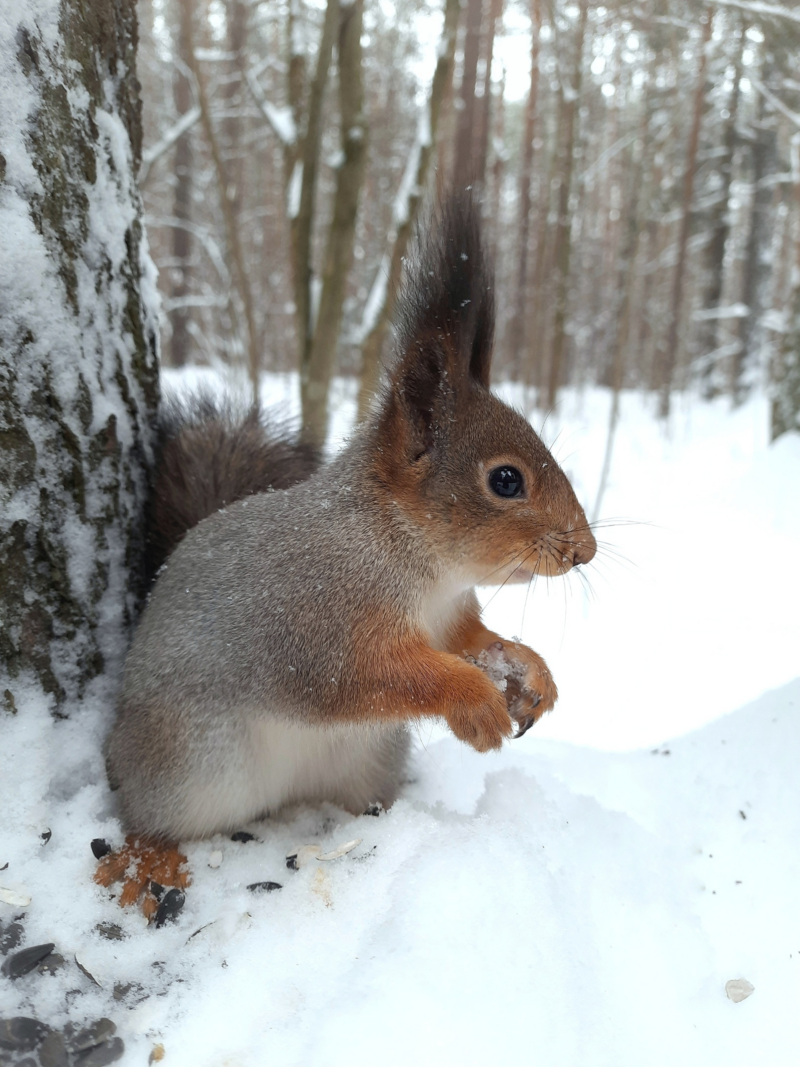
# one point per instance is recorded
(584, 552)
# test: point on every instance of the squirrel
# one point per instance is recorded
(293, 635)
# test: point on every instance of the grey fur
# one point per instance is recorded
(245, 627)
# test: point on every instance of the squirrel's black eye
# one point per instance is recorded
(506, 481)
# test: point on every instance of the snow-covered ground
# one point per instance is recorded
(581, 898)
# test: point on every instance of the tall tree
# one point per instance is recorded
(467, 124)
(667, 368)
(78, 345)
(182, 204)
(317, 368)
(569, 90)
(517, 342)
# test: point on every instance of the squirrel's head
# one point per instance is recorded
(462, 465)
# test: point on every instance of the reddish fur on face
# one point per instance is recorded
(441, 432)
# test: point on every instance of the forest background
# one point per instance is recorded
(639, 166)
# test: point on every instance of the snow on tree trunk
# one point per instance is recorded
(78, 344)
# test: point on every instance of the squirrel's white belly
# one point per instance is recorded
(278, 763)
(345, 763)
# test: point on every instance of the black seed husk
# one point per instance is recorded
(100, 848)
(23, 962)
(10, 937)
(97, 1034)
(243, 836)
(101, 1055)
(264, 887)
(52, 964)
(110, 931)
(53, 1051)
(170, 906)
(22, 1034)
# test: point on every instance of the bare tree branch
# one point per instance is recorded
(174, 133)
(755, 7)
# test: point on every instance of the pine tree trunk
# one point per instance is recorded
(517, 339)
(78, 346)
(569, 100)
(465, 160)
(317, 371)
(720, 225)
(786, 375)
(485, 110)
(670, 354)
(179, 315)
(756, 265)
(302, 215)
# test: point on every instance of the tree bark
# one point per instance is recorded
(517, 342)
(485, 109)
(465, 160)
(569, 98)
(720, 229)
(78, 346)
(756, 267)
(669, 356)
(785, 412)
(302, 217)
(317, 370)
(179, 314)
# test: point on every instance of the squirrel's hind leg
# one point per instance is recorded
(146, 868)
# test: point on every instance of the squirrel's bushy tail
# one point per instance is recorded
(212, 451)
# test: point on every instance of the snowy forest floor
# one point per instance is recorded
(580, 898)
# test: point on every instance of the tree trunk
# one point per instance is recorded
(179, 314)
(786, 377)
(465, 160)
(485, 110)
(669, 356)
(517, 343)
(570, 95)
(316, 373)
(756, 267)
(720, 223)
(78, 346)
(302, 216)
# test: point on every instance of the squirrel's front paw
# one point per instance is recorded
(484, 726)
(525, 679)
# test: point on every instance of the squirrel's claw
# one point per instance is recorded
(143, 864)
(523, 725)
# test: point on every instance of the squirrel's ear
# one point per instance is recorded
(445, 317)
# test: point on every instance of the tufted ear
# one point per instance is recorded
(445, 319)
